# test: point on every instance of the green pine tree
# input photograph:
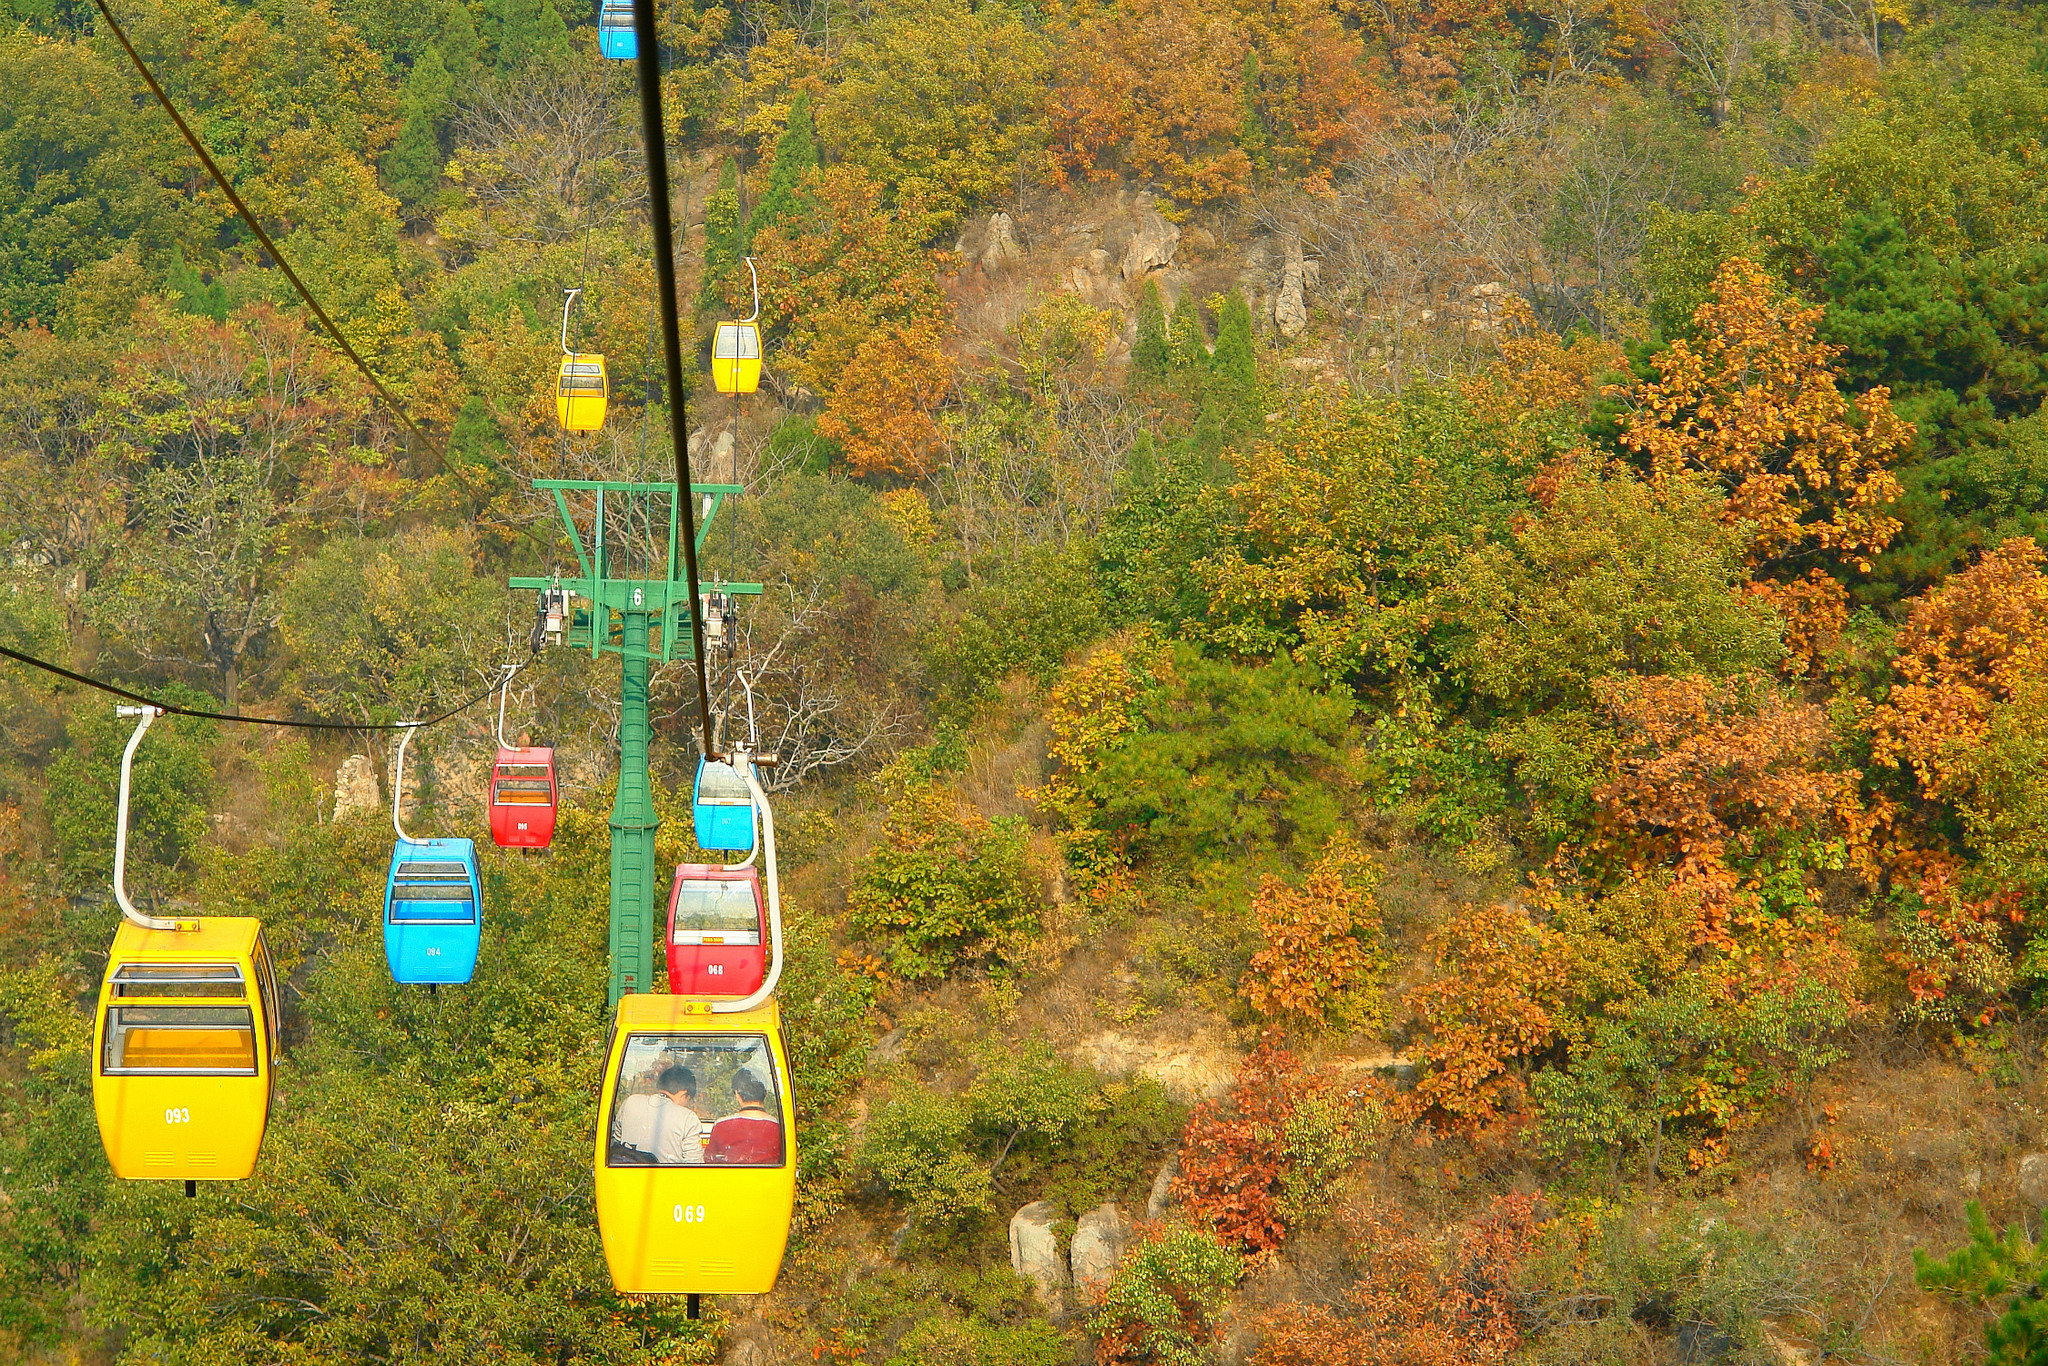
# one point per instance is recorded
(412, 167)
(724, 243)
(461, 49)
(1150, 356)
(475, 439)
(1233, 382)
(1251, 127)
(526, 31)
(1990, 1268)
(796, 155)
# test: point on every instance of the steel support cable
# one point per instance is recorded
(654, 135)
(299, 286)
(206, 160)
(172, 709)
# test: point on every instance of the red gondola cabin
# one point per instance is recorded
(523, 798)
(716, 925)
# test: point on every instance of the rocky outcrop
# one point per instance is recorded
(1100, 1238)
(355, 786)
(1161, 1198)
(1035, 1252)
(1000, 248)
(2034, 1179)
(1152, 246)
(1290, 305)
(1186, 1069)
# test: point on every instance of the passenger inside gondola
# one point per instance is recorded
(750, 1136)
(655, 1118)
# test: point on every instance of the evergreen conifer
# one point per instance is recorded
(1233, 369)
(796, 155)
(1251, 130)
(724, 242)
(412, 167)
(1149, 354)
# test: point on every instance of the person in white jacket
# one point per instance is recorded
(676, 1130)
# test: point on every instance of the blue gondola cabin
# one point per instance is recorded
(723, 808)
(615, 36)
(433, 912)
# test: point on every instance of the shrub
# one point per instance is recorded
(1413, 1305)
(1264, 1156)
(1161, 1305)
(948, 888)
(1314, 960)
(917, 1147)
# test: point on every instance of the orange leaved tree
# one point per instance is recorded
(883, 410)
(1753, 402)
(1321, 940)
(1968, 644)
(1712, 776)
(1493, 1001)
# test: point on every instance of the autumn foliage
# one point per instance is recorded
(883, 410)
(1753, 401)
(1967, 646)
(1418, 1301)
(1314, 956)
(1709, 773)
(1245, 1158)
(1493, 1000)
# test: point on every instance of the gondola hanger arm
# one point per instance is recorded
(568, 301)
(504, 690)
(742, 761)
(143, 715)
(398, 786)
(755, 316)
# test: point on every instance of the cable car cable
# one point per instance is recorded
(655, 138)
(438, 449)
(199, 149)
(172, 709)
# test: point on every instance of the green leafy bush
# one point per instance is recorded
(947, 888)
(917, 1147)
(1162, 1304)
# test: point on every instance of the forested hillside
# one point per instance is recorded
(1408, 645)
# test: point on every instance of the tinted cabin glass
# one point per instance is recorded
(437, 891)
(616, 14)
(523, 785)
(198, 1040)
(179, 979)
(732, 1118)
(717, 912)
(722, 785)
(266, 985)
(582, 379)
(736, 341)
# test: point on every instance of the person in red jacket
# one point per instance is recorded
(750, 1136)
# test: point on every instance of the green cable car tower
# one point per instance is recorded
(630, 598)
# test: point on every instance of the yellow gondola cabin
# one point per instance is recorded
(736, 358)
(580, 392)
(185, 1050)
(696, 1152)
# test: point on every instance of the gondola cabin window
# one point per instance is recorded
(524, 785)
(723, 912)
(697, 1099)
(185, 1040)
